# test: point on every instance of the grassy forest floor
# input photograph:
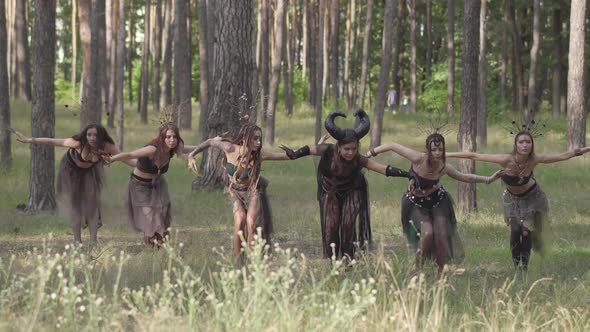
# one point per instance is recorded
(120, 284)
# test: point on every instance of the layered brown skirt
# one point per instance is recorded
(526, 207)
(148, 206)
(78, 190)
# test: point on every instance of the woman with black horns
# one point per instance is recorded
(342, 187)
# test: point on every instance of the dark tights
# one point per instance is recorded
(522, 240)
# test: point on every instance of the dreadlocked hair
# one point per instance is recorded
(437, 139)
(248, 156)
(338, 161)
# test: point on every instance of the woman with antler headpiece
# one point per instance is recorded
(245, 188)
(428, 216)
(80, 176)
(525, 203)
(147, 197)
(342, 187)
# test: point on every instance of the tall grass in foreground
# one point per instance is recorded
(66, 290)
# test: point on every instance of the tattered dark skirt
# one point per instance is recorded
(340, 207)
(523, 208)
(439, 202)
(78, 190)
(148, 205)
(242, 195)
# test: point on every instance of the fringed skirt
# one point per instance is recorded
(242, 196)
(340, 208)
(148, 206)
(436, 204)
(78, 190)
(526, 208)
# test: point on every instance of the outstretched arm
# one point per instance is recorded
(306, 150)
(410, 154)
(112, 150)
(64, 142)
(491, 158)
(472, 178)
(216, 142)
(146, 151)
(553, 158)
(387, 170)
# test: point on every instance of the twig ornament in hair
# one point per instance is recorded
(532, 127)
(436, 123)
(341, 134)
(166, 115)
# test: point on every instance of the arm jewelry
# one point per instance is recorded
(396, 172)
(301, 152)
(482, 179)
(373, 153)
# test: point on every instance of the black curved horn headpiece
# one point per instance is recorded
(363, 127)
(335, 131)
(339, 133)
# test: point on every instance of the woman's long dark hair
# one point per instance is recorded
(437, 139)
(159, 142)
(102, 136)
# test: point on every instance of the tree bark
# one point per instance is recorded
(556, 71)
(145, 79)
(111, 38)
(311, 50)
(348, 45)
(264, 58)
(182, 66)
(120, 75)
(277, 55)
(518, 83)
(157, 55)
(482, 107)
(334, 48)
(429, 38)
(532, 94)
(290, 50)
(381, 95)
(305, 37)
(234, 77)
(41, 184)
(504, 57)
(23, 68)
(468, 122)
(365, 60)
(204, 72)
(326, 49)
(167, 37)
(5, 151)
(320, 69)
(101, 57)
(451, 56)
(131, 51)
(90, 91)
(74, 78)
(413, 60)
(576, 100)
(399, 44)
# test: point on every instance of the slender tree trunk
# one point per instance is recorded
(320, 69)
(9, 38)
(290, 57)
(112, 40)
(334, 48)
(556, 72)
(305, 37)
(451, 56)
(22, 51)
(5, 152)
(365, 61)
(120, 75)
(429, 37)
(264, 58)
(204, 74)
(167, 37)
(381, 95)
(182, 66)
(41, 189)
(518, 82)
(157, 55)
(348, 44)
(468, 122)
(74, 43)
(233, 77)
(101, 57)
(532, 94)
(504, 58)
(399, 44)
(312, 32)
(130, 51)
(90, 91)
(413, 60)
(144, 80)
(279, 18)
(482, 107)
(576, 100)
(326, 49)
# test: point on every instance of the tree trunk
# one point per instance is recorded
(204, 73)
(304, 37)
(144, 80)
(269, 124)
(413, 60)
(451, 56)
(365, 61)
(41, 189)
(311, 50)
(518, 83)
(264, 58)
(5, 151)
(23, 68)
(399, 44)
(326, 49)
(131, 51)
(381, 95)
(157, 55)
(74, 78)
(290, 49)
(90, 91)
(482, 107)
(182, 66)
(576, 101)
(532, 94)
(233, 77)
(468, 122)
(101, 57)
(320, 69)
(167, 37)
(112, 33)
(556, 72)
(348, 45)
(429, 38)
(504, 58)
(334, 48)
(120, 75)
